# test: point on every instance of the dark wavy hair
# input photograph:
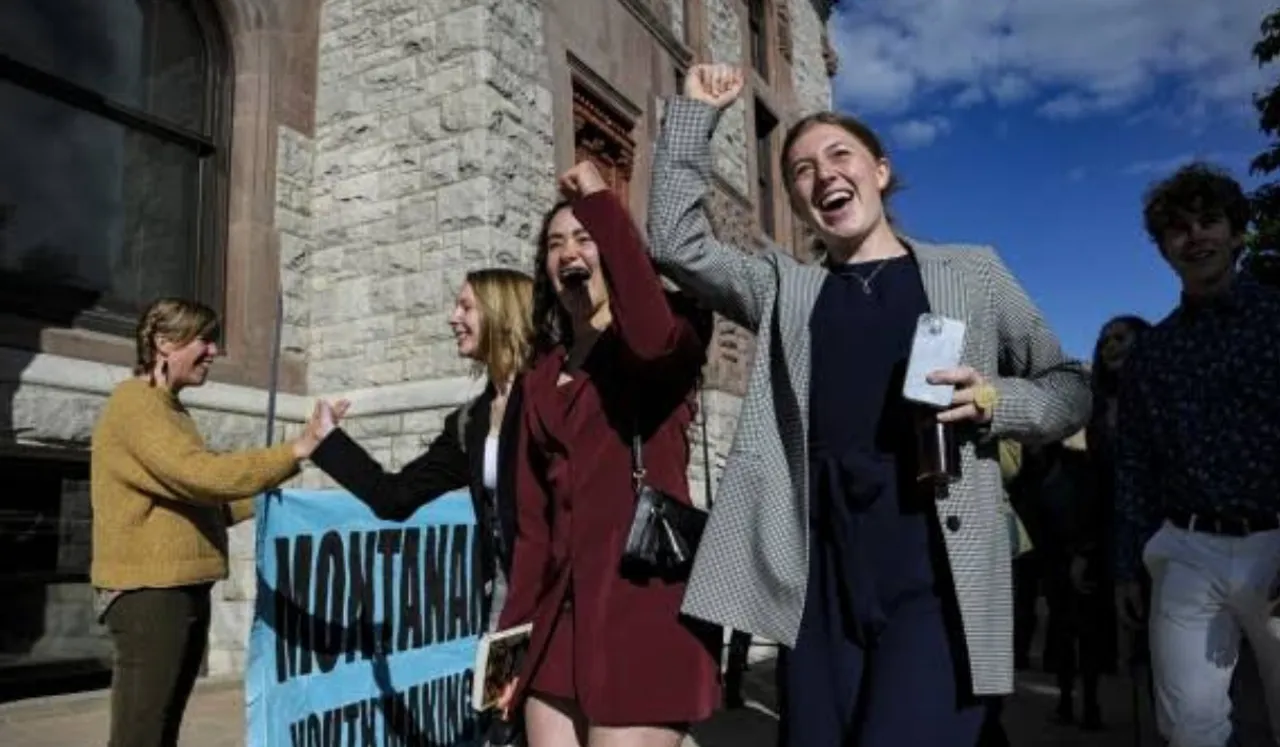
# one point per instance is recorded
(1197, 187)
(551, 325)
(1106, 384)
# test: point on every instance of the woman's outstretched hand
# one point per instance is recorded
(324, 418)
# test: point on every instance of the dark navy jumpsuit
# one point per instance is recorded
(879, 659)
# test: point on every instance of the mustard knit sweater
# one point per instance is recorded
(161, 500)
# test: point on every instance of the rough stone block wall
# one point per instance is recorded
(432, 156)
(729, 145)
(295, 160)
(808, 68)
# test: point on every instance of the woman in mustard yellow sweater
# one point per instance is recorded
(162, 502)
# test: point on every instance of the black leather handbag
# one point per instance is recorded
(664, 532)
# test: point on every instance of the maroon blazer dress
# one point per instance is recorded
(617, 646)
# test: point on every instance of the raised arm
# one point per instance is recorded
(531, 555)
(397, 495)
(722, 277)
(649, 327)
(162, 440)
(1042, 395)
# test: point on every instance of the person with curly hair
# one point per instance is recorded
(1197, 468)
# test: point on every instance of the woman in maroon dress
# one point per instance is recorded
(611, 660)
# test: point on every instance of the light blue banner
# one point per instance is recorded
(364, 631)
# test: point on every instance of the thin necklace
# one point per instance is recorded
(866, 281)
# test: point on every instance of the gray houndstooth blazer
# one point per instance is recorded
(751, 569)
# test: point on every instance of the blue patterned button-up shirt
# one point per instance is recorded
(1198, 427)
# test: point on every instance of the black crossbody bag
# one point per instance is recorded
(664, 532)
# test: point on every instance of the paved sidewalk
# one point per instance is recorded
(216, 718)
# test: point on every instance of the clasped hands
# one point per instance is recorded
(324, 418)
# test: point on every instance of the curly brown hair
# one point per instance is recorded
(1198, 188)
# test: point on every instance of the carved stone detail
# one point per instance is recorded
(784, 29)
(603, 136)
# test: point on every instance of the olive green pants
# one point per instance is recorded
(160, 636)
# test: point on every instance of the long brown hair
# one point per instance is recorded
(505, 299)
(175, 320)
(551, 325)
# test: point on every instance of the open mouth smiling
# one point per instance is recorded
(835, 201)
(574, 277)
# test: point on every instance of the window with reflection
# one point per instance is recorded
(111, 148)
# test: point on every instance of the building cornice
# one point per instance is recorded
(661, 31)
(91, 377)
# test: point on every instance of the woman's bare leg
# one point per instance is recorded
(635, 736)
(553, 722)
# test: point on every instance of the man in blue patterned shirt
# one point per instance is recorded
(1198, 462)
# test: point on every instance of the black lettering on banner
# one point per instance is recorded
(313, 730)
(476, 586)
(351, 717)
(410, 592)
(331, 732)
(388, 548)
(292, 604)
(465, 715)
(428, 723)
(368, 723)
(360, 634)
(439, 724)
(451, 725)
(434, 554)
(460, 584)
(331, 590)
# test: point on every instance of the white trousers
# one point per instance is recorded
(1208, 590)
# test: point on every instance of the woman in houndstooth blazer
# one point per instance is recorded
(896, 606)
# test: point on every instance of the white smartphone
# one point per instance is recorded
(938, 344)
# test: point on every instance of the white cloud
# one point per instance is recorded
(970, 96)
(1071, 59)
(1077, 174)
(1011, 88)
(917, 133)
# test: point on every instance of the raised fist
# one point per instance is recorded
(581, 180)
(717, 85)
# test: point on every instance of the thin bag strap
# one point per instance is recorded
(637, 455)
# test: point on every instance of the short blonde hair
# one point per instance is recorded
(505, 299)
(175, 320)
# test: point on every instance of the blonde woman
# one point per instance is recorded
(162, 502)
(492, 324)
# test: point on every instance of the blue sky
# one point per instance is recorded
(1036, 125)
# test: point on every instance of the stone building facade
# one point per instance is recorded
(353, 159)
